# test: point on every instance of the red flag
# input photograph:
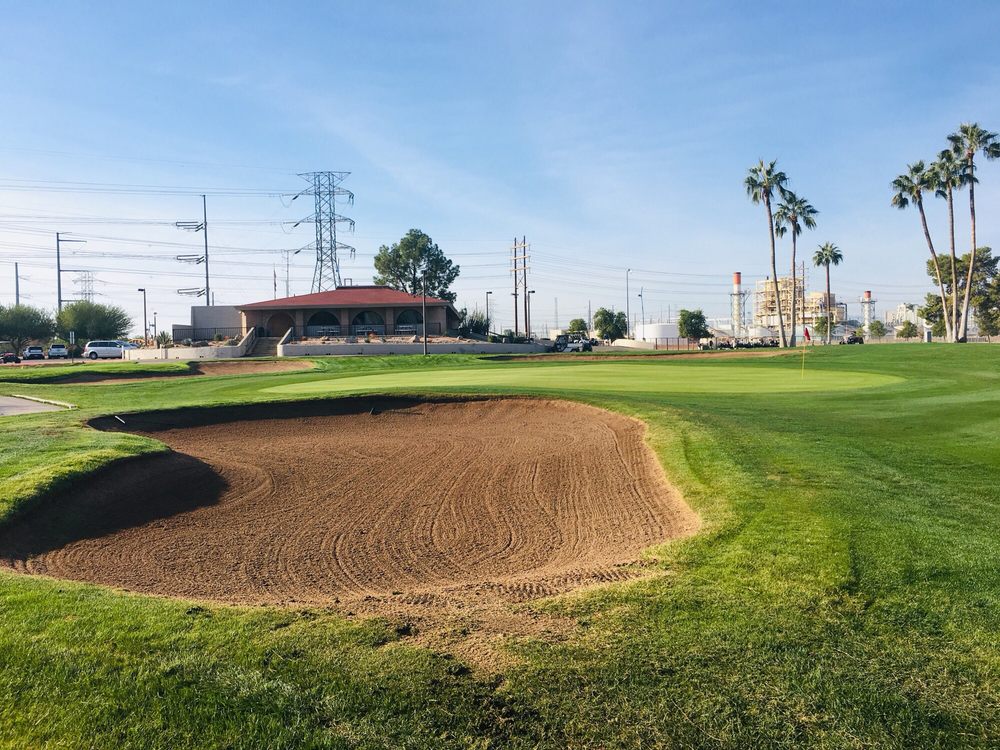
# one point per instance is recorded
(806, 332)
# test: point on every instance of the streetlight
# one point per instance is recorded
(155, 329)
(288, 254)
(145, 325)
(643, 303)
(488, 312)
(527, 322)
(627, 300)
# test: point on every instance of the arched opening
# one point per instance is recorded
(409, 322)
(279, 323)
(368, 321)
(323, 323)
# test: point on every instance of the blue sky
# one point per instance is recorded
(612, 135)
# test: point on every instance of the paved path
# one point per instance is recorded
(9, 406)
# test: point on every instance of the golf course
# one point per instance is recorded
(841, 589)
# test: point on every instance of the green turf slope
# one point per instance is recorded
(844, 591)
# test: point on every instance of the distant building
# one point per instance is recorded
(809, 306)
(904, 313)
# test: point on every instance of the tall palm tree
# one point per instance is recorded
(949, 175)
(910, 188)
(761, 182)
(966, 142)
(828, 255)
(794, 213)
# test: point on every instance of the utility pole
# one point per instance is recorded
(590, 323)
(524, 284)
(204, 227)
(513, 255)
(155, 329)
(59, 268)
(17, 285)
(488, 312)
(627, 301)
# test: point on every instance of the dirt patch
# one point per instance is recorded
(443, 515)
(220, 367)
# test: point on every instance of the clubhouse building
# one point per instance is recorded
(349, 311)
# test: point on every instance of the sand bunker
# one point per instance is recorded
(362, 500)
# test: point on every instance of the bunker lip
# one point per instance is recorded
(203, 368)
(419, 509)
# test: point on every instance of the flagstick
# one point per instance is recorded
(803, 361)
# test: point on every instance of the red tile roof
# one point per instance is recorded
(347, 296)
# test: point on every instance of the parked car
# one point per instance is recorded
(853, 339)
(104, 350)
(10, 358)
(33, 352)
(58, 351)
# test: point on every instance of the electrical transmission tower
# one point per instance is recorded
(326, 190)
(519, 254)
(85, 284)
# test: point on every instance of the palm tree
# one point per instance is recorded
(828, 254)
(794, 213)
(909, 188)
(949, 175)
(969, 140)
(761, 182)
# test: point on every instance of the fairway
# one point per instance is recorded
(621, 377)
(839, 592)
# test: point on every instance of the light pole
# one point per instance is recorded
(527, 312)
(288, 254)
(145, 324)
(642, 302)
(155, 329)
(488, 312)
(423, 306)
(627, 300)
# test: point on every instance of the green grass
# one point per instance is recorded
(844, 592)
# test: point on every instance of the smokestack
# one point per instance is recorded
(737, 281)
(868, 294)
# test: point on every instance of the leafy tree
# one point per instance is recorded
(793, 214)
(910, 188)
(983, 278)
(760, 183)
(828, 255)
(577, 325)
(404, 265)
(907, 331)
(876, 329)
(610, 325)
(820, 327)
(691, 325)
(91, 320)
(22, 324)
(966, 142)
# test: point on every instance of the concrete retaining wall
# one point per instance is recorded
(306, 349)
(193, 352)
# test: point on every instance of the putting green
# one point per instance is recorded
(653, 377)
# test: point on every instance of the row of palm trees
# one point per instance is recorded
(954, 169)
(765, 183)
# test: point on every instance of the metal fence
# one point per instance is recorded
(181, 333)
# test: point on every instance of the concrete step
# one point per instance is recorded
(264, 346)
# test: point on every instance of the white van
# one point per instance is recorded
(103, 350)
